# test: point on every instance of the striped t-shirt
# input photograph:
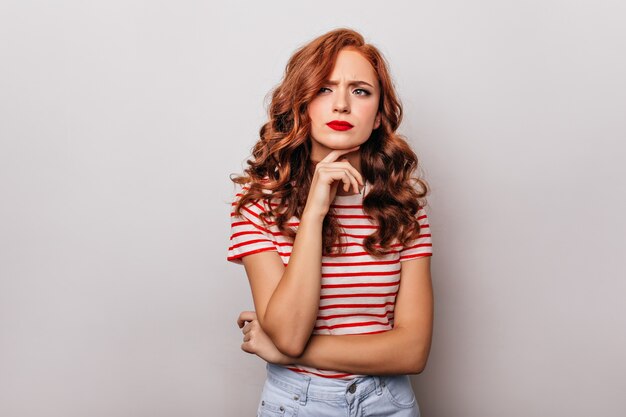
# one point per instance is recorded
(358, 291)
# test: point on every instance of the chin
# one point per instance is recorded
(342, 143)
(338, 142)
(342, 146)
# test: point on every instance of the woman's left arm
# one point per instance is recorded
(402, 350)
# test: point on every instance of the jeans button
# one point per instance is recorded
(352, 388)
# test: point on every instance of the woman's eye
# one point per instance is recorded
(358, 91)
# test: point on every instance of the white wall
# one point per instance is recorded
(121, 120)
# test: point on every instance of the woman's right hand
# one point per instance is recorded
(329, 173)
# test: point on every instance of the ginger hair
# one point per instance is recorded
(279, 170)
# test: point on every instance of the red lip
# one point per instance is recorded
(339, 125)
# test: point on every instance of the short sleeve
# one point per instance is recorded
(422, 245)
(248, 233)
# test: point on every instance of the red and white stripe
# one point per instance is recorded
(358, 291)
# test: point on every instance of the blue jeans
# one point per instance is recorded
(288, 394)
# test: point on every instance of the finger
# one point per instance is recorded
(245, 346)
(250, 326)
(245, 316)
(349, 180)
(336, 153)
(344, 164)
(353, 170)
(344, 175)
(355, 178)
(353, 181)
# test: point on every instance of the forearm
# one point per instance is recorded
(398, 351)
(292, 310)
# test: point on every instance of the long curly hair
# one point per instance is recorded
(279, 170)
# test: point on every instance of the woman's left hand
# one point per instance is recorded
(256, 341)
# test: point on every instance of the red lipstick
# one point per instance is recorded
(339, 125)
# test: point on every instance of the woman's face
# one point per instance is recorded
(350, 96)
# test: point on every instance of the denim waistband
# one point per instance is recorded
(304, 386)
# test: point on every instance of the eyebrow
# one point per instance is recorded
(351, 83)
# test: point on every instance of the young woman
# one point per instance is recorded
(330, 226)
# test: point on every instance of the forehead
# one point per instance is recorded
(351, 65)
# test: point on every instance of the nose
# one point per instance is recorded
(341, 103)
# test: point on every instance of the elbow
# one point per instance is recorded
(290, 346)
(416, 362)
(416, 366)
(287, 343)
(290, 337)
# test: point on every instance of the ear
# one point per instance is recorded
(377, 121)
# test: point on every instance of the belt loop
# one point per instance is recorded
(379, 389)
(304, 393)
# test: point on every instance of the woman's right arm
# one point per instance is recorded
(286, 299)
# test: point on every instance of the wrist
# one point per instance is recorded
(286, 360)
(312, 216)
